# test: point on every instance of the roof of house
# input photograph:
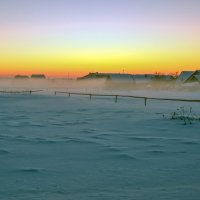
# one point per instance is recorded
(167, 77)
(185, 75)
(197, 77)
(21, 76)
(111, 76)
(120, 76)
(152, 77)
(93, 76)
(38, 76)
(144, 76)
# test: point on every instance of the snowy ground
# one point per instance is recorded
(59, 147)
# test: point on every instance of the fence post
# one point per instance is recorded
(116, 99)
(145, 101)
(90, 96)
(55, 93)
(69, 94)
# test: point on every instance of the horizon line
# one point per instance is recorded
(68, 76)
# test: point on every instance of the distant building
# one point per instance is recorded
(189, 77)
(161, 77)
(146, 78)
(21, 77)
(94, 76)
(120, 77)
(167, 77)
(136, 78)
(38, 76)
(108, 76)
(112, 79)
(143, 78)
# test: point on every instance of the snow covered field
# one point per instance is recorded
(60, 147)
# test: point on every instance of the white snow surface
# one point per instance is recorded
(60, 147)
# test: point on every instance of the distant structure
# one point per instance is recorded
(94, 76)
(38, 76)
(189, 77)
(144, 78)
(21, 77)
(120, 81)
(112, 79)
(136, 78)
(108, 76)
(113, 76)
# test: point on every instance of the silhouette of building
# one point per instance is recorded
(189, 77)
(21, 76)
(109, 76)
(112, 79)
(38, 76)
(94, 76)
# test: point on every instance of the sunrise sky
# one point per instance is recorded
(63, 38)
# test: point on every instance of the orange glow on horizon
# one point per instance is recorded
(110, 39)
(70, 73)
(75, 64)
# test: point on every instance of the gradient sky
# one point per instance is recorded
(74, 37)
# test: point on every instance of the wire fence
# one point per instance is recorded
(90, 95)
(116, 96)
(19, 91)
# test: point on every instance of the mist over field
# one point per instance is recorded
(11, 84)
(70, 147)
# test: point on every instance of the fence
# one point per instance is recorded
(115, 96)
(19, 92)
(127, 96)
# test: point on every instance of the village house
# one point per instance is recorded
(21, 77)
(109, 76)
(128, 78)
(189, 77)
(38, 76)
